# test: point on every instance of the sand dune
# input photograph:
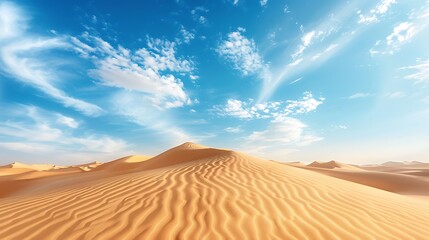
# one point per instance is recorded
(122, 164)
(194, 192)
(332, 165)
(407, 178)
(37, 167)
(408, 168)
(392, 182)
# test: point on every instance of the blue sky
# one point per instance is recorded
(286, 80)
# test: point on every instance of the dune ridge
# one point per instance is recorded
(333, 165)
(195, 192)
(408, 178)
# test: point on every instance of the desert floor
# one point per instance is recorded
(195, 192)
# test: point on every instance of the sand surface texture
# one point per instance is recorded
(195, 192)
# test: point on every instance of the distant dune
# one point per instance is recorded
(196, 192)
(408, 178)
(332, 165)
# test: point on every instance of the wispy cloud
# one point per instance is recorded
(296, 80)
(307, 39)
(358, 95)
(281, 137)
(34, 129)
(395, 95)
(67, 121)
(420, 71)
(26, 58)
(375, 13)
(199, 15)
(284, 132)
(134, 108)
(232, 129)
(314, 47)
(26, 147)
(324, 52)
(344, 127)
(403, 32)
(286, 9)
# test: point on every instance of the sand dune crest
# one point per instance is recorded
(332, 165)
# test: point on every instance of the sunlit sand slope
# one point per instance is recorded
(192, 192)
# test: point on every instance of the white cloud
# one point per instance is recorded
(296, 80)
(148, 70)
(232, 129)
(376, 12)
(202, 20)
(26, 147)
(194, 77)
(236, 108)
(309, 38)
(247, 110)
(324, 52)
(306, 41)
(198, 14)
(359, 95)
(263, 2)
(420, 71)
(295, 63)
(67, 121)
(34, 129)
(12, 21)
(403, 32)
(342, 127)
(27, 58)
(286, 9)
(397, 94)
(187, 35)
(279, 138)
(281, 133)
(241, 52)
(307, 104)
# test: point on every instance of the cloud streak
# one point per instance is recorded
(420, 72)
(314, 47)
(35, 129)
(26, 58)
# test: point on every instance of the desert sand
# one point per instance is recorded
(403, 178)
(195, 192)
